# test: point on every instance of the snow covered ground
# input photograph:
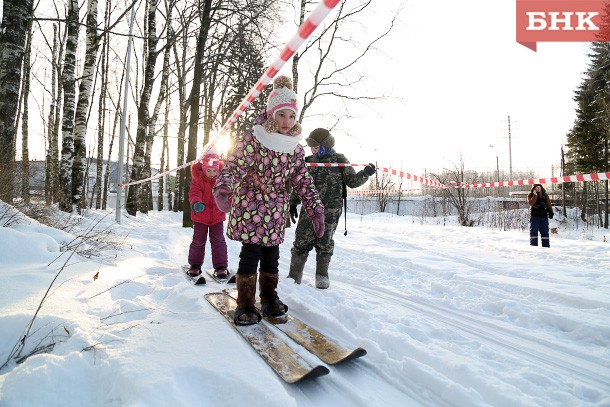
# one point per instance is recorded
(450, 316)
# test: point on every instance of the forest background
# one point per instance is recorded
(63, 72)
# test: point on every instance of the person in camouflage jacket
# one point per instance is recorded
(329, 182)
(252, 185)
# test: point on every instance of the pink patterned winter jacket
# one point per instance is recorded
(258, 176)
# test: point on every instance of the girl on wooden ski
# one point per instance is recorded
(253, 186)
(207, 218)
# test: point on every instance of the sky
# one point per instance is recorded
(454, 74)
(449, 316)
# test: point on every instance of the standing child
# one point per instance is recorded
(206, 217)
(255, 176)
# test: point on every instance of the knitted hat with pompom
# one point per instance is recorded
(211, 159)
(282, 97)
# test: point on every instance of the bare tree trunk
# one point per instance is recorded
(164, 166)
(25, 152)
(80, 119)
(112, 138)
(194, 106)
(15, 17)
(135, 200)
(583, 210)
(181, 76)
(606, 153)
(297, 57)
(399, 193)
(180, 174)
(102, 112)
(51, 159)
(155, 117)
(101, 120)
(56, 162)
(67, 128)
(86, 183)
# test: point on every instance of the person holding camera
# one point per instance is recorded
(540, 213)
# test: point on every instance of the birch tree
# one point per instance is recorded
(69, 90)
(164, 166)
(116, 105)
(80, 119)
(15, 17)
(52, 157)
(102, 111)
(152, 132)
(25, 92)
(179, 40)
(136, 200)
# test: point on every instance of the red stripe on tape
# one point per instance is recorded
(286, 54)
(306, 29)
(271, 72)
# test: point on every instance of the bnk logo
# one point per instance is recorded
(562, 21)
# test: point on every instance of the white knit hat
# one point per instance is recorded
(282, 97)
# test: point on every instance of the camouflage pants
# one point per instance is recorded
(305, 239)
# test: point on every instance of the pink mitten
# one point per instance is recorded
(318, 224)
(222, 195)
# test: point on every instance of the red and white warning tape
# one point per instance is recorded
(380, 191)
(313, 21)
(400, 174)
(305, 30)
(600, 176)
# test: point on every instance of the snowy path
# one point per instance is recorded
(449, 316)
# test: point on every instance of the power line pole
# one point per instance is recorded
(510, 152)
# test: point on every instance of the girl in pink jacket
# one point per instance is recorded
(207, 218)
(253, 186)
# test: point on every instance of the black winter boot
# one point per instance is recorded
(297, 264)
(322, 263)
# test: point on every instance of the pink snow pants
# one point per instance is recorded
(217, 243)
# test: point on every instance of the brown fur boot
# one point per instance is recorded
(246, 313)
(270, 302)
